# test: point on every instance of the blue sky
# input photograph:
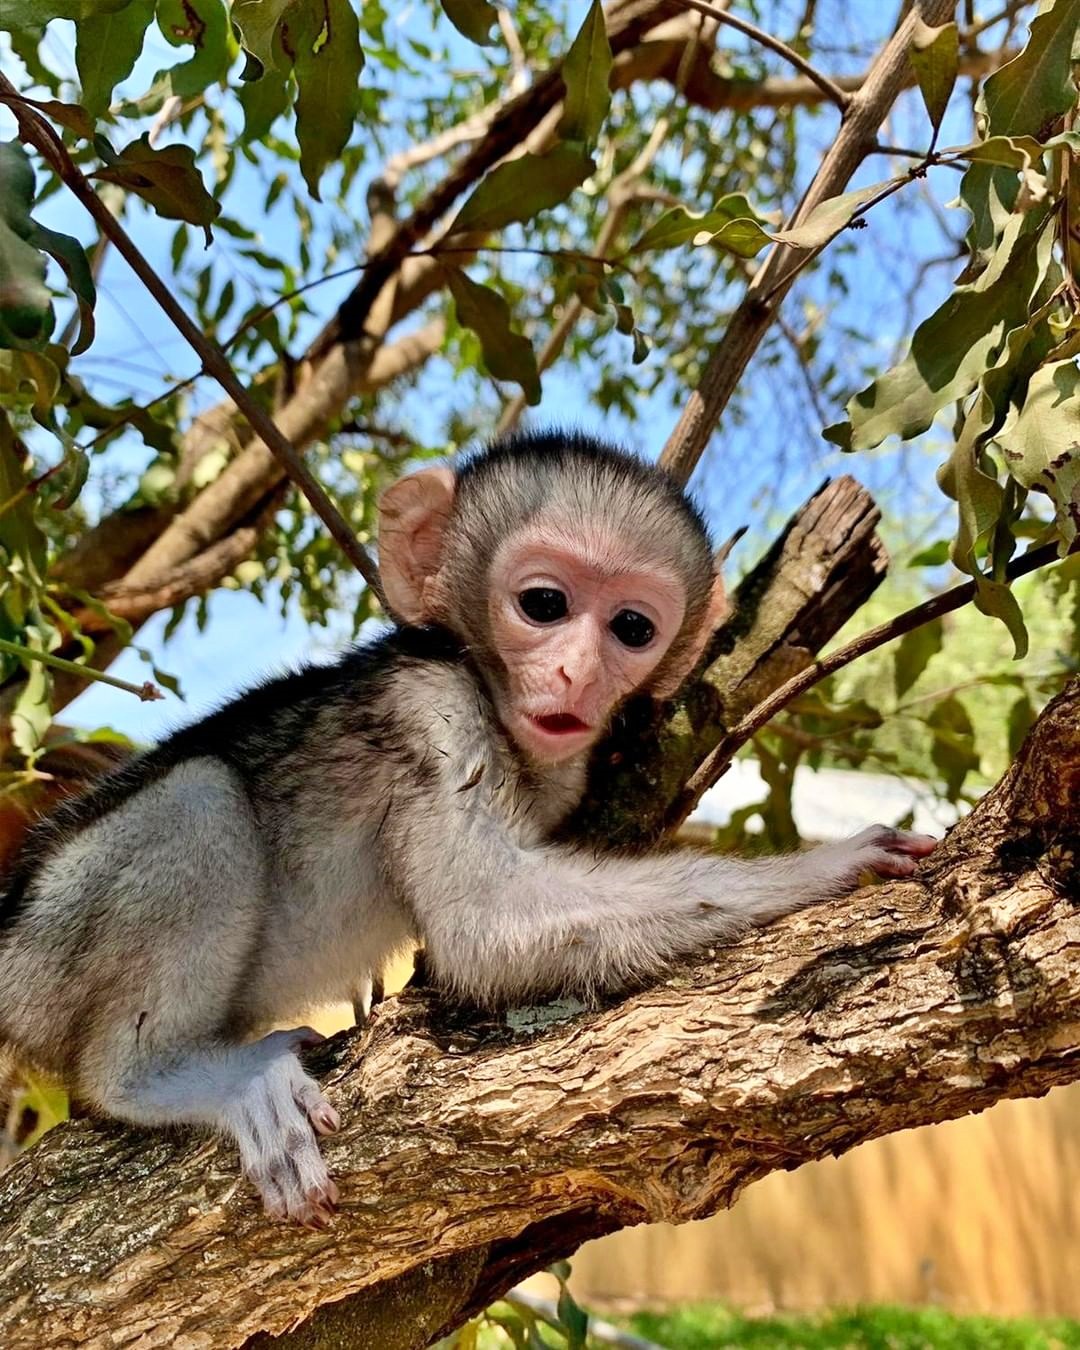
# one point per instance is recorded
(745, 477)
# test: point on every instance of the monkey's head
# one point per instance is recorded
(576, 575)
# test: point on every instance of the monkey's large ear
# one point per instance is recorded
(412, 528)
(669, 678)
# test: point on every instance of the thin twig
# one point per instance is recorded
(519, 80)
(831, 90)
(968, 35)
(809, 255)
(37, 132)
(148, 692)
(710, 770)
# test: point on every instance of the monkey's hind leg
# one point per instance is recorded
(261, 1096)
(176, 880)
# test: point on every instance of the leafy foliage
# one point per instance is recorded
(224, 122)
(1012, 322)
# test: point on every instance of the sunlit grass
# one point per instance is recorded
(711, 1327)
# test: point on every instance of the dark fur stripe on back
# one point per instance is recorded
(251, 733)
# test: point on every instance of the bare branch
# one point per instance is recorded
(828, 87)
(754, 315)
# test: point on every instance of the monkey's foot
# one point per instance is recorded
(278, 1149)
(890, 852)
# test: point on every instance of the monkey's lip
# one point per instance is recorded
(560, 724)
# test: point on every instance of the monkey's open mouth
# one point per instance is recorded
(560, 724)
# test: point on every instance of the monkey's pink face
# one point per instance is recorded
(579, 626)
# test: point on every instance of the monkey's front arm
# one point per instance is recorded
(503, 922)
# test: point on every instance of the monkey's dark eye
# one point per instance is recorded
(543, 604)
(632, 629)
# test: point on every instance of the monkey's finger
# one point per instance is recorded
(888, 839)
(917, 845)
(894, 865)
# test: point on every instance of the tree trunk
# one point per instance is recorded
(475, 1150)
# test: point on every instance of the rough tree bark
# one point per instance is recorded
(485, 1147)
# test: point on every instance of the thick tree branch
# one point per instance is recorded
(517, 1137)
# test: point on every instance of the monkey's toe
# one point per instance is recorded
(323, 1117)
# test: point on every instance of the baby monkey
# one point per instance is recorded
(273, 856)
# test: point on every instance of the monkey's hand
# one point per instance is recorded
(880, 848)
(274, 1116)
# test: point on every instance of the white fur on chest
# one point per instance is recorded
(334, 926)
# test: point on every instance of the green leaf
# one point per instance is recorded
(512, 1325)
(953, 347)
(829, 217)
(996, 600)
(28, 380)
(70, 115)
(71, 256)
(507, 355)
(953, 750)
(19, 534)
(166, 178)
(26, 312)
(37, 13)
(263, 101)
(679, 226)
(743, 237)
(1013, 152)
(935, 57)
(472, 19)
(107, 45)
(1021, 98)
(76, 472)
(202, 24)
(1021, 720)
(986, 511)
(574, 1320)
(32, 714)
(934, 555)
(259, 22)
(585, 72)
(324, 38)
(522, 187)
(1041, 442)
(913, 652)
